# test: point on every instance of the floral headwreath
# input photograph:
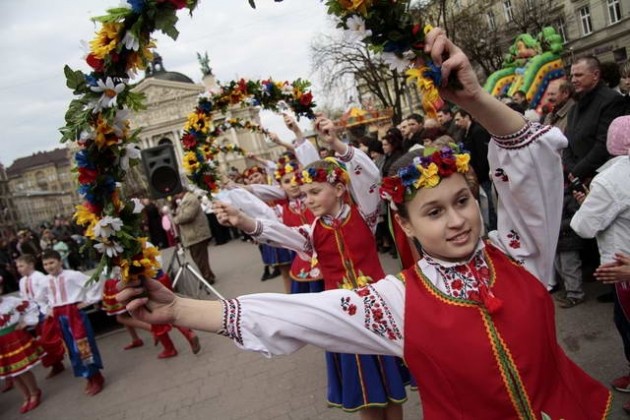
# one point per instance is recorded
(424, 172)
(285, 166)
(253, 170)
(333, 173)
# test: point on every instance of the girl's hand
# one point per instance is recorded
(290, 122)
(326, 129)
(149, 302)
(274, 137)
(454, 65)
(615, 271)
(226, 214)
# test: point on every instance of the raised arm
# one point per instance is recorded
(364, 174)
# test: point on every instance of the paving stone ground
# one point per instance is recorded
(222, 382)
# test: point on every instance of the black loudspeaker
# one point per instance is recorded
(162, 171)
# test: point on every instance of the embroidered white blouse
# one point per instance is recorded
(33, 288)
(526, 169)
(70, 287)
(14, 310)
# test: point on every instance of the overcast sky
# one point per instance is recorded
(38, 38)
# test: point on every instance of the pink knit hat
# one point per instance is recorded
(618, 142)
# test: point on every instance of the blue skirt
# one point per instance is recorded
(314, 286)
(364, 381)
(81, 368)
(276, 256)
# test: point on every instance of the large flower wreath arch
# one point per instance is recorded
(97, 120)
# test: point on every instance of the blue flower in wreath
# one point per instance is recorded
(395, 47)
(90, 80)
(136, 5)
(86, 192)
(408, 175)
(434, 73)
(83, 160)
(205, 106)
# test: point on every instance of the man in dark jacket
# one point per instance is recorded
(597, 105)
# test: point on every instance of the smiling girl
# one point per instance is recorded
(472, 318)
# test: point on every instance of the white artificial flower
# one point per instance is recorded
(131, 41)
(395, 62)
(107, 226)
(137, 205)
(131, 152)
(121, 122)
(110, 92)
(85, 136)
(356, 29)
(111, 249)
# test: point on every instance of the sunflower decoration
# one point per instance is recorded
(200, 135)
(97, 122)
(392, 30)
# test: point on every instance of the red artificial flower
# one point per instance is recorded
(87, 176)
(416, 28)
(179, 4)
(446, 166)
(189, 141)
(306, 99)
(393, 187)
(96, 63)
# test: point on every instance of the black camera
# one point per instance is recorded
(576, 185)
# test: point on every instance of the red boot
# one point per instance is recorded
(169, 348)
(95, 384)
(192, 338)
(134, 344)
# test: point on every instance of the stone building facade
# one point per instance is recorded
(42, 187)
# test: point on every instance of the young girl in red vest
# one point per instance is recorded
(19, 352)
(472, 318)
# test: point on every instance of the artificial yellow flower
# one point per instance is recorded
(105, 135)
(306, 178)
(429, 177)
(106, 40)
(83, 215)
(461, 161)
(191, 164)
(431, 99)
(359, 6)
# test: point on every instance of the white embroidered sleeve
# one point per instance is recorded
(305, 152)
(526, 170)
(365, 321)
(276, 233)
(268, 192)
(248, 203)
(364, 180)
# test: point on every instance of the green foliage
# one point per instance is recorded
(75, 79)
(165, 21)
(113, 15)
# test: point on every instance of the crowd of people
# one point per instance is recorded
(487, 207)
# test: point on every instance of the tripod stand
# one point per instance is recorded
(180, 254)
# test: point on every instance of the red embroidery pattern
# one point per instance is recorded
(460, 281)
(348, 307)
(514, 239)
(232, 320)
(4, 319)
(500, 173)
(378, 317)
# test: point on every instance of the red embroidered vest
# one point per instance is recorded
(346, 252)
(301, 270)
(508, 365)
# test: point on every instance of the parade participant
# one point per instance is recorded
(341, 239)
(159, 332)
(19, 353)
(466, 315)
(32, 288)
(273, 256)
(66, 295)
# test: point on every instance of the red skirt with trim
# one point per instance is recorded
(18, 353)
(109, 303)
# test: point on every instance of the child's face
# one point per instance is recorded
(445, 219)
(52, 266)
(322, 198)
(292, 190)
(256, 178)
(24, 268)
